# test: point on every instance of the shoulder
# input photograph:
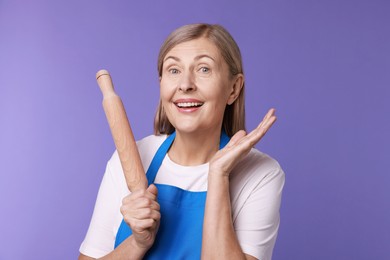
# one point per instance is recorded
(147, 147)
(257, 169)
(150, 144)
(256, 190)
(260, 162)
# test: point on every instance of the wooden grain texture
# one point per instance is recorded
(122, 134)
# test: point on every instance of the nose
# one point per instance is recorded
(186, 82)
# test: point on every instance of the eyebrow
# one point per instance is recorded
(196, 58)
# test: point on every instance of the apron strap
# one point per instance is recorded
(158, 158)
(224, 140)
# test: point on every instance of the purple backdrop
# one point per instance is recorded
(323, 64)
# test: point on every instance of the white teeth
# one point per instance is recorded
(189, 104)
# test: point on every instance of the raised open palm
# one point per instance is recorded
(239, 146)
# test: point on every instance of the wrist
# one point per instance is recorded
(218, 174)
(218, 179)
(139, 250)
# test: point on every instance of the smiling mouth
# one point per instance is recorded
(188, 104)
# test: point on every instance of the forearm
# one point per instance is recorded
(219, 239)
(128, 249)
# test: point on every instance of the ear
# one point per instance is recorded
(238, 82)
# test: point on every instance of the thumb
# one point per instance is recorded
(236, 137)
(152, 189)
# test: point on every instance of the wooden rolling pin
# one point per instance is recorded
(122, 134)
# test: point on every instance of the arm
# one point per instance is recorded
(122, 251)
(219, 238)
(106, 218)
(141, 212)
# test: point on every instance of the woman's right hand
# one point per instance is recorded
(141, 212)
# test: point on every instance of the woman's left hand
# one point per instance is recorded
(239, 146)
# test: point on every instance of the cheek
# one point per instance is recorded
(165, 91)
(222, 93)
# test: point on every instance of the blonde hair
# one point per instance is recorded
(234, 116)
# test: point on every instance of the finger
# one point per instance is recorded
(242, 142)
(153, 190)
(147, 213)
(141, 225)
(264, 127)
(236, 138)
(268, 123)
(270, 113)
(133, 208)
(151, 193)
(134, 196)
(143, 203)
(254, 137)
(133, 216)
(262, 130)
(265, 122)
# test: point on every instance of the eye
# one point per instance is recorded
(204, 70)
(174, 71)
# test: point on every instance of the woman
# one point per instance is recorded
(199, 145)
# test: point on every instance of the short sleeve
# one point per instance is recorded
(257, 217)
(106, 217)
(100, 238)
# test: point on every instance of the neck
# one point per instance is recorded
(191, 149)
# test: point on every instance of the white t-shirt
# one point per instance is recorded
(256, 185)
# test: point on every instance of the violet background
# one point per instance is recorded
(325, 66)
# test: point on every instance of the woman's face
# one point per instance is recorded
(195, 86)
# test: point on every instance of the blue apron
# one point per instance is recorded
(180, 232)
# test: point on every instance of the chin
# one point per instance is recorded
(186, 129)
(192, 129)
